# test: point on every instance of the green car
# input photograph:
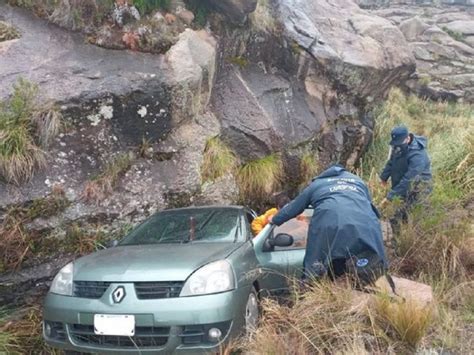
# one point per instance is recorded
(184, 281)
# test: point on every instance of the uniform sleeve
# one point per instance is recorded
(415, 168)
(295, 207)
(387, 171)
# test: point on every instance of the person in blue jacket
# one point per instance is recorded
(408, 168)
(345, 223)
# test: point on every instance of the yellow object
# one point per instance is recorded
(261, 221)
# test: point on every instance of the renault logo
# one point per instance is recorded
(119, 294)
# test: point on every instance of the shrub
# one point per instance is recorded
(218, 160)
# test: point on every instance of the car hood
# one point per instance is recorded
(162, 262)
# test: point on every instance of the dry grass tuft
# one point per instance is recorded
(25, 128)
(17, 242)
(21, 332)
(259, 179)
(262, 18)
(407, 320)
(103, 185)
(218, 160)
(308, 168)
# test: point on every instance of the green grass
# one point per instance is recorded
(260, 178)
(23, 127)
(458, 36)
(218, 160)
(308, 168)
(201, 10)
(147, 6)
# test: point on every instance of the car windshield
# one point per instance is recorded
(187, 225)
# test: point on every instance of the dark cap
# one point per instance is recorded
(399, 134)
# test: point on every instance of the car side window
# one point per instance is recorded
(298, 229)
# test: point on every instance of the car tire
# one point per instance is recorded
(252, 312)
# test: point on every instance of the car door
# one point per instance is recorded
(282, 265)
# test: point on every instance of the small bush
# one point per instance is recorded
(259, 179)
(103, 185)
(218, 160)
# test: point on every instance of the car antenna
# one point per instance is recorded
(192, 228)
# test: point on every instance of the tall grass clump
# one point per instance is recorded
(218, 160)
(260, 178)
(262, 18)
(308, 168)
(25, 130)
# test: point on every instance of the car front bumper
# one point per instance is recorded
(169, 325)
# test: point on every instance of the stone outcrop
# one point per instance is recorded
(316, 84)
(442, 40)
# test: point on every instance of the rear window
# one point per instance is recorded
(187, 226)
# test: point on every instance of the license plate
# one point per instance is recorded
(114, 324)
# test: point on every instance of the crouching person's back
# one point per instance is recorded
(344, 235)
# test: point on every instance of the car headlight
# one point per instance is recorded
(62, 283)
(214, 277)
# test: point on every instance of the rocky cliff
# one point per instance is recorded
(441, 37)
(290, 78)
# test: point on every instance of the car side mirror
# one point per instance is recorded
(281, 240)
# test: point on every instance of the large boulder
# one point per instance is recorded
(313, 83)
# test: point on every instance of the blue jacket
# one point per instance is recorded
(344, 222)
(406, 167)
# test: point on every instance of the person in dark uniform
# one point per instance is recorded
(344, 227)
(409, 169)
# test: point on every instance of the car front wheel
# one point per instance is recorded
(252, 312)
